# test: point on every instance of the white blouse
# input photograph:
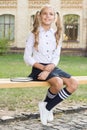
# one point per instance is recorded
(47, 51)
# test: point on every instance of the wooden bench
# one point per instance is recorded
(6, 83)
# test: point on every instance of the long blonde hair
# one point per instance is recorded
(36, 25)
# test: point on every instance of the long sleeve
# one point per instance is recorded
(29, 60)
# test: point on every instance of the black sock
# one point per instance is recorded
(63, 94)
(49, 96)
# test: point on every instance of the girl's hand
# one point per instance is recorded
(43, 75)
(49, 67)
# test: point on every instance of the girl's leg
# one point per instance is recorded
(56, 85)
(71, 86)
(56, 94)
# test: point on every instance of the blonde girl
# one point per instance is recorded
(42, 52)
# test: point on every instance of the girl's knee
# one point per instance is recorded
(58, 84)
(73, 85)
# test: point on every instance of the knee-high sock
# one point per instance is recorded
(63, 94)
(49, 96)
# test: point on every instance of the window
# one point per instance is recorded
(71, 28)
(7, 26)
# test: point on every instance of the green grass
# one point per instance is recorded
(26, 99)
(74, 65)
(12, 65)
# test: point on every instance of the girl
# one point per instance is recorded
(42, 52)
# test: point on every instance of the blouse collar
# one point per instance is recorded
(41, 29)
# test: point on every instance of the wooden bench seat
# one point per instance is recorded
(6, 83)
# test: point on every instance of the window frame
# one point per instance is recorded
(70, 26)
(10, 25)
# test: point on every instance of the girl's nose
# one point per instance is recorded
(47, 15)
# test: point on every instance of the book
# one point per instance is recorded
(21, 79)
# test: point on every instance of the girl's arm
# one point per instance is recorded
(39, 66)
(29, 60)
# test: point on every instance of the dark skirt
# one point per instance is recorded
(55, 73)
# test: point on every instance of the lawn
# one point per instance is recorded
(12, 65)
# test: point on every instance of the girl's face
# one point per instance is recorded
(47, 16)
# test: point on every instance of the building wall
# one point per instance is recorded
(75, 7)
(24, 9)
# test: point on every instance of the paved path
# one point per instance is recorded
(64, 120)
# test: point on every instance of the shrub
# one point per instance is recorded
(4, 45)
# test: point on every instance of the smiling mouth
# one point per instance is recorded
(47, 20)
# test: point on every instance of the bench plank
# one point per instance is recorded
(6, 83)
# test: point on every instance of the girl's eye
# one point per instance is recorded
(51, 14)
(44, 13)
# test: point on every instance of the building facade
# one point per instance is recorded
(16, 18)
